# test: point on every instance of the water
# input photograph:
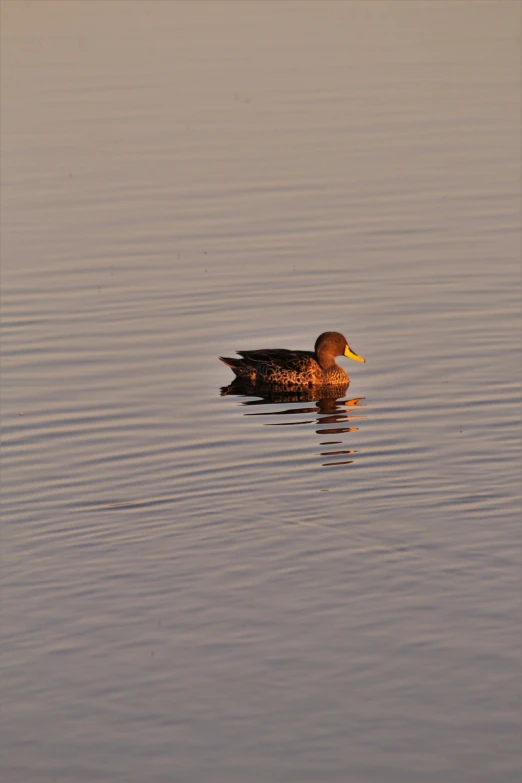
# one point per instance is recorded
(200, 587)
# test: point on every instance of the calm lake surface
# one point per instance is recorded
(231, 589)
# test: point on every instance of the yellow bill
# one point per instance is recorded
(348, 352)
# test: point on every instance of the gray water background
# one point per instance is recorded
(190, 593)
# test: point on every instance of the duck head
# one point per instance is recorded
(331, 344)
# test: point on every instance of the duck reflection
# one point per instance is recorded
(330, 411)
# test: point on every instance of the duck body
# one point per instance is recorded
(281, 368)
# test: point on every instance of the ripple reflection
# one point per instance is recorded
(331, 414)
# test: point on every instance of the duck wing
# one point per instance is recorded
(277, 357)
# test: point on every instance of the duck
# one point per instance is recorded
(280, 367)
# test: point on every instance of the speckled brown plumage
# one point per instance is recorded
(280, 367)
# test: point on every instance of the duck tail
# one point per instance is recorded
(230, 362)
(237, 366)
